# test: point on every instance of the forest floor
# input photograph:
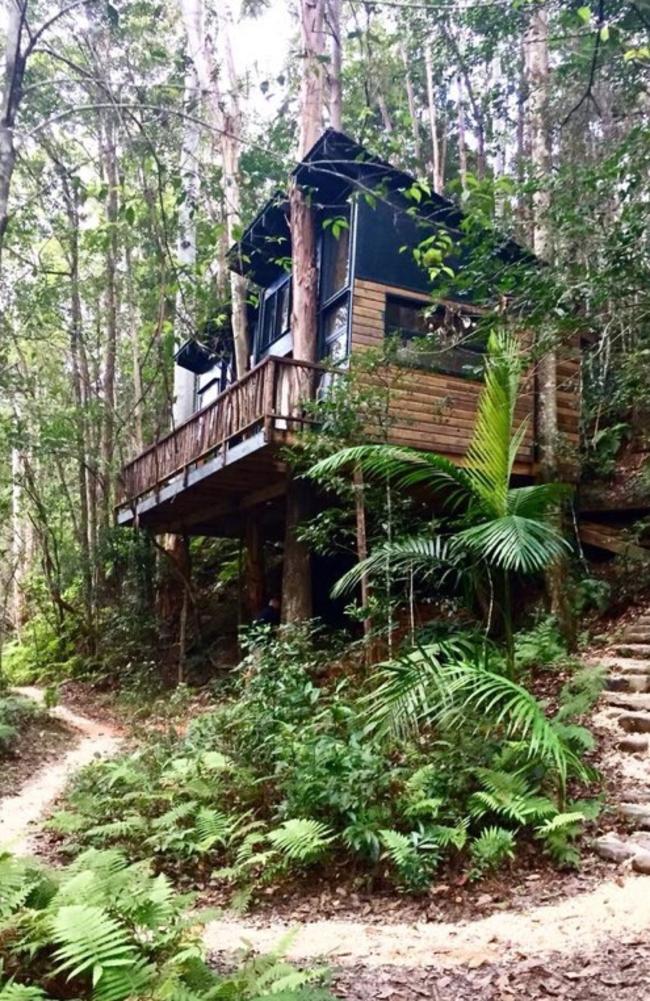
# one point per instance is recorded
(587, 937)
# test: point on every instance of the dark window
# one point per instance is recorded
(433, 336)
(335, 250)
(275, 316)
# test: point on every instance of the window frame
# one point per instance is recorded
(409, 335)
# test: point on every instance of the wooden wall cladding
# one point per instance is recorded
(436, 411)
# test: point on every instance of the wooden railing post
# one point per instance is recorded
(270, 380)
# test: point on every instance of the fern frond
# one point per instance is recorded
(301, 840)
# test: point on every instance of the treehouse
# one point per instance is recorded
(223, 470)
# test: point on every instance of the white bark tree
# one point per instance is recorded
(185, 313)
(224, 115)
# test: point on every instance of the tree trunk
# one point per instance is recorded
(334, 74)
(109, 166)
(433, 124)
(224, 114)
(12, 85)
(296, 577)
(253, 565)
(410, 97)
(462, 144)
(296, 568)
(547, 415)
(185, 314)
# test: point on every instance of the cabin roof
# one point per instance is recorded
(335, 167)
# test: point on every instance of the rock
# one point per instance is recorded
(613, 849)
(627, 700)
(485, 899)
(641, 841)
(635, 743)
(628, 683)
(641, 863)
(637, 813)
(635, 650)
(634, 722)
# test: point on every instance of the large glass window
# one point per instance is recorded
(436, 336)
(335, 252)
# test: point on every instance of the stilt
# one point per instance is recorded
(296, 571)
(253, 565)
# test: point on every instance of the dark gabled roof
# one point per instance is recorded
(334, 167)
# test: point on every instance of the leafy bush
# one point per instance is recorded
(110, 930)
(297, 771)
(540, 646)
(15, 713)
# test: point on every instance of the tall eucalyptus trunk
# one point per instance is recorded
(296, 580)
(184, 388)
(537, 60)
(12, 86)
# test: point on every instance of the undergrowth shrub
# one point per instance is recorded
(15, 713)
(290, 775)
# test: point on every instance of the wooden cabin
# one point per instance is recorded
(222, 470)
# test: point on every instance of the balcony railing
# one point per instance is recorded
(271, 397)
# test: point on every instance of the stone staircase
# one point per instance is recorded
(628, 696)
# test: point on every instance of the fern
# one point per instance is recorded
(12, 991)
(559, 834)
(93, 943)
(491, 849)
(507, 795)
(415, 856)
(301, 840)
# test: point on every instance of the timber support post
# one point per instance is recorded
(297, 603)
(253, 565)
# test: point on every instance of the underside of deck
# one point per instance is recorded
(214, 497)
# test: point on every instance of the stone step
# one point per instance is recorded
(636, 636)
(634, 743)
(628, 683)
(637, 814)
(625, 665)
(634, 701)
(635, 722)
(619, 848)
(636, 650)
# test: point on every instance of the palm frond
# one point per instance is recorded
(419, 554)
(514, 543)
(489, 459)
(406, 691)
(404, 467)
(445, 682)
(534, 501)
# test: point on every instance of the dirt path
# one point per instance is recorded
(615, 909)
(19, 813)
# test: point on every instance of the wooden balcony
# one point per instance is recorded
(174, 483)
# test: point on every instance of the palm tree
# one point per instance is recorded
(503, 529)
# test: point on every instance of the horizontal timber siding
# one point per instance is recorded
(429, 410)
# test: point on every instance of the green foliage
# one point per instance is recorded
(580, 693)
(491, 849)
(490, 524)
(540, 646)
(16, 712)
(297, 771)
(108, 930)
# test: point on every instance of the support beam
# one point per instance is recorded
(296, 570)
(254, 579)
